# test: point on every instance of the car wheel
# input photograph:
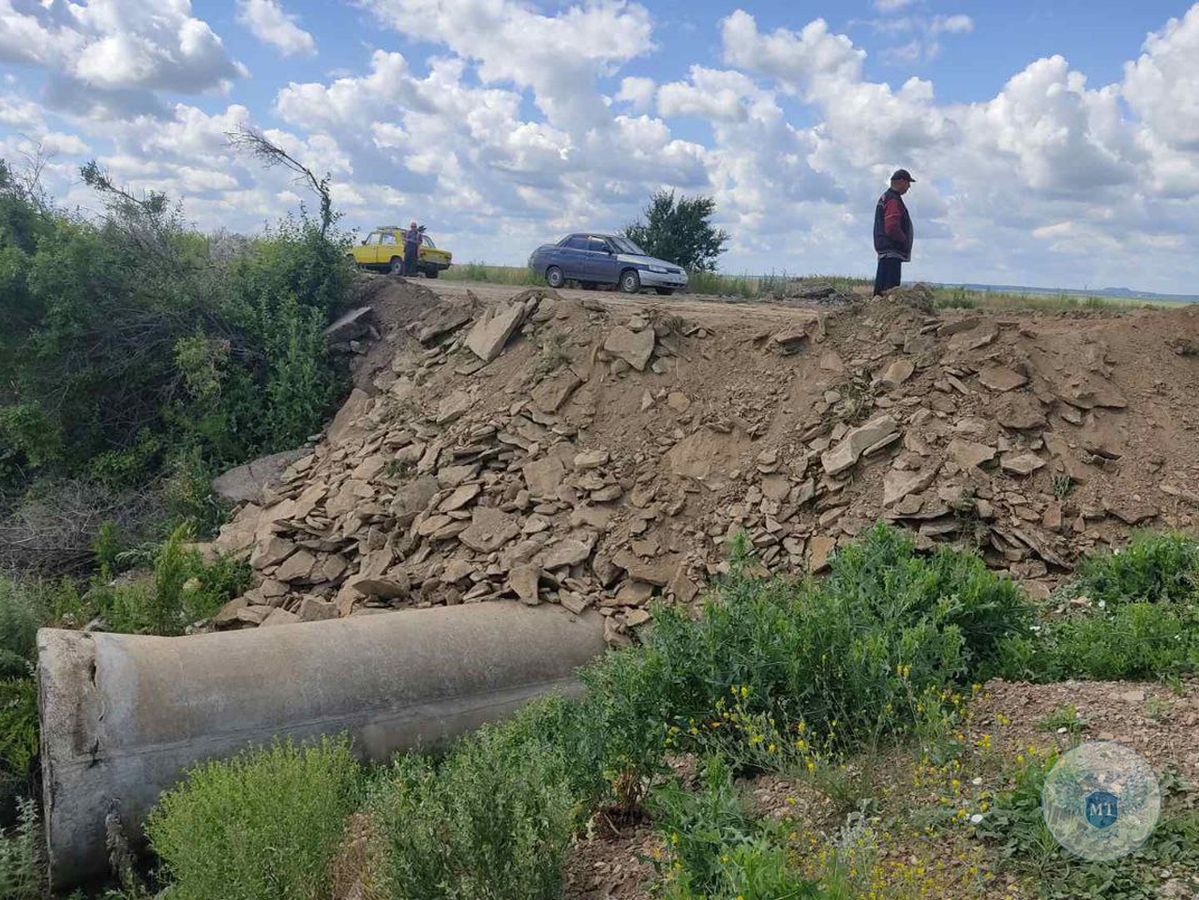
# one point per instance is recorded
(432, 272)
(554, 277)
(666, 292)
(630, 281)
(397, 266)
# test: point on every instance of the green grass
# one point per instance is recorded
(262, 826)
(477, 271)
(961, 298)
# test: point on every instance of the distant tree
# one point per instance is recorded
(680, 231)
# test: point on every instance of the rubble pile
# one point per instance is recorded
(605, 452)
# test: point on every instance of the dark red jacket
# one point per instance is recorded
(893, 232)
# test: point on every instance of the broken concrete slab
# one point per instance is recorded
(489, 529)
(856, 442)
(634, 347)
(487, 337)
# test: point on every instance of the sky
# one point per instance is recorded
(1054, 144)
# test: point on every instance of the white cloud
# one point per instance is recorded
(110, 55)
(887, 6)
(956, 24)
(559, 56)
(637, 92)
(797, 59)
(268, 22)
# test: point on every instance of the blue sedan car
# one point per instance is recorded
(592, 259)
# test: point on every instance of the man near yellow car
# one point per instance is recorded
(411, 249)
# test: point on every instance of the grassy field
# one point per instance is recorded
(756, 287)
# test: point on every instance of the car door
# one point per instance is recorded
(602, 263)
(388, 247)
(366, 253)
(572, 258)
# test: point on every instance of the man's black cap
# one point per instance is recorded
(902, 175)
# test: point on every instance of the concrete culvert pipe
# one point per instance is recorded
(124, 716)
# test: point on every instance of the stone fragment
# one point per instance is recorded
(634, 347)
(453, 406)
(1131, 512)
(1021, 463)
(776, 487)
(297, 567)
(590, 459)
(227, 616)
(385, 588)
(412, 499)
(271, 552)
(524, 579)
(678, 401)
(656, 572)
(248, 483)
(820, 547)
(681, 586)
(489, 529)
(969, 454)
(573, 602)
(313, 609)
(279, 616)
(254, 614)
(897, 373)
(1001, 378)
(1020, 412)
(544, 476)
(550, 395)
(347, 423)
(856, 442)
(566, 552)
(979, 336)
(831, 362)
(462, 495)
(897, 484)
(487, 337)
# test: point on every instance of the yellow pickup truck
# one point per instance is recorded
(383, 249)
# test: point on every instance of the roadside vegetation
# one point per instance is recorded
(138, 358)
(852, 695)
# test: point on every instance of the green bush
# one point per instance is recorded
(491, 821)
(1153, 568)
(21, 867)
(184, 590)
(21, 614)
(128, 341)
(848, 655)
(1140, 640)
(265, 824)
(714, 849)
(18, 727)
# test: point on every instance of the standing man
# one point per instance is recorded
(411, 249)
(893, 232)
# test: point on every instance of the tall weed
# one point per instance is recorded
(262, 826)
(491, 821)
(21, 869)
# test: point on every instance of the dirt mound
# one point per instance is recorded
(604, 451)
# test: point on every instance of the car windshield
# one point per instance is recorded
(624, 245)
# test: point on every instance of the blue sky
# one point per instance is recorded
(1054, 143)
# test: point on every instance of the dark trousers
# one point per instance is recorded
(411, 251)
(888, 275)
